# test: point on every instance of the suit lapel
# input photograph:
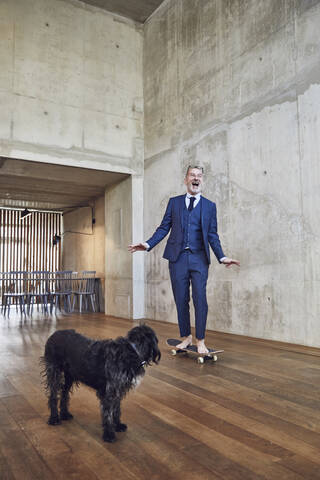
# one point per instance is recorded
(203, 214)
(181, 208)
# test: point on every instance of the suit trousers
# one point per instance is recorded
(190, 268)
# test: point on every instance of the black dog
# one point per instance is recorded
(111, 367)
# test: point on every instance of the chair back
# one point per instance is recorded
(85, 284)
(63, 281)
(89, 278)
(16, 282)
(38, 282)
(5, 283)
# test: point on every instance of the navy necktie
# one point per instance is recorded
(192, 199)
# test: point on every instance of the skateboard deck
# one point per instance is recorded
(201, 357)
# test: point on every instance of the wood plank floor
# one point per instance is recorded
(252, 415)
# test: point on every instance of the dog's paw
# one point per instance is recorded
(121, 427)
(54, 421)
(66, 415)
(109, 437)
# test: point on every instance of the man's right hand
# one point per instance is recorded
(138, 247)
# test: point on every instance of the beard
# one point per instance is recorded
(193, 189)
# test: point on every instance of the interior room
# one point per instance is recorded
(111, 113)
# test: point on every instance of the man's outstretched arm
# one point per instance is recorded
(138, 247)
(214, 241)
(158, 235)
(230, 261)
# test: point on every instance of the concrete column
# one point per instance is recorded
(138, 257)
(124, 287)
(118, 261)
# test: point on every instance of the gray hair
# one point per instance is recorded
(190, 167)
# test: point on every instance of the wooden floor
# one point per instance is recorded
(252, 415)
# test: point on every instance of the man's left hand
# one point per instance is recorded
(229, 261)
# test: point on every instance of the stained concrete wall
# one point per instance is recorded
(71, 94)
(235, 86)
(70, 84)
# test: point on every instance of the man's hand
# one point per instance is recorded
(229, 261)
(138, 247)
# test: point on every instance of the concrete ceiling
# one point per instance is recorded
(51, 187)
(138, 10)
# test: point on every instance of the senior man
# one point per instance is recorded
(191, 220)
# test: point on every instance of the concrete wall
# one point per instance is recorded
(84, 242)
(71, 93)
(235, 86)
(70, 84)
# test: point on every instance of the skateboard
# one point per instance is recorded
(201, 357)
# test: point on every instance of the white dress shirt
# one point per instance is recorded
(197, 199)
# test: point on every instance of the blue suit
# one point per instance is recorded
(188, 252)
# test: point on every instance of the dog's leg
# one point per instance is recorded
(65, 397)
(119, 427)
(107, 411)
(53, 375)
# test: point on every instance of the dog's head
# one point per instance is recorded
(146, 343)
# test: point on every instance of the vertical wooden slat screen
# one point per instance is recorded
(27, 244)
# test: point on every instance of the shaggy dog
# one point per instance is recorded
(111, 367)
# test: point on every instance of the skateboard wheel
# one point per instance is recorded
(174, 352)
(200, 360)
(215, 358)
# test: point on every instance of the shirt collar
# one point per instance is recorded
(197, 197)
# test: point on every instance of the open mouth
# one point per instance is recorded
(195, 184)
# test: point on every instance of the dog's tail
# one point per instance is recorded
(43, 373)
(51, 376)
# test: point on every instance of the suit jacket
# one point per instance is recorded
(173, 220)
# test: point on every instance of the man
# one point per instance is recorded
(192, 220)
